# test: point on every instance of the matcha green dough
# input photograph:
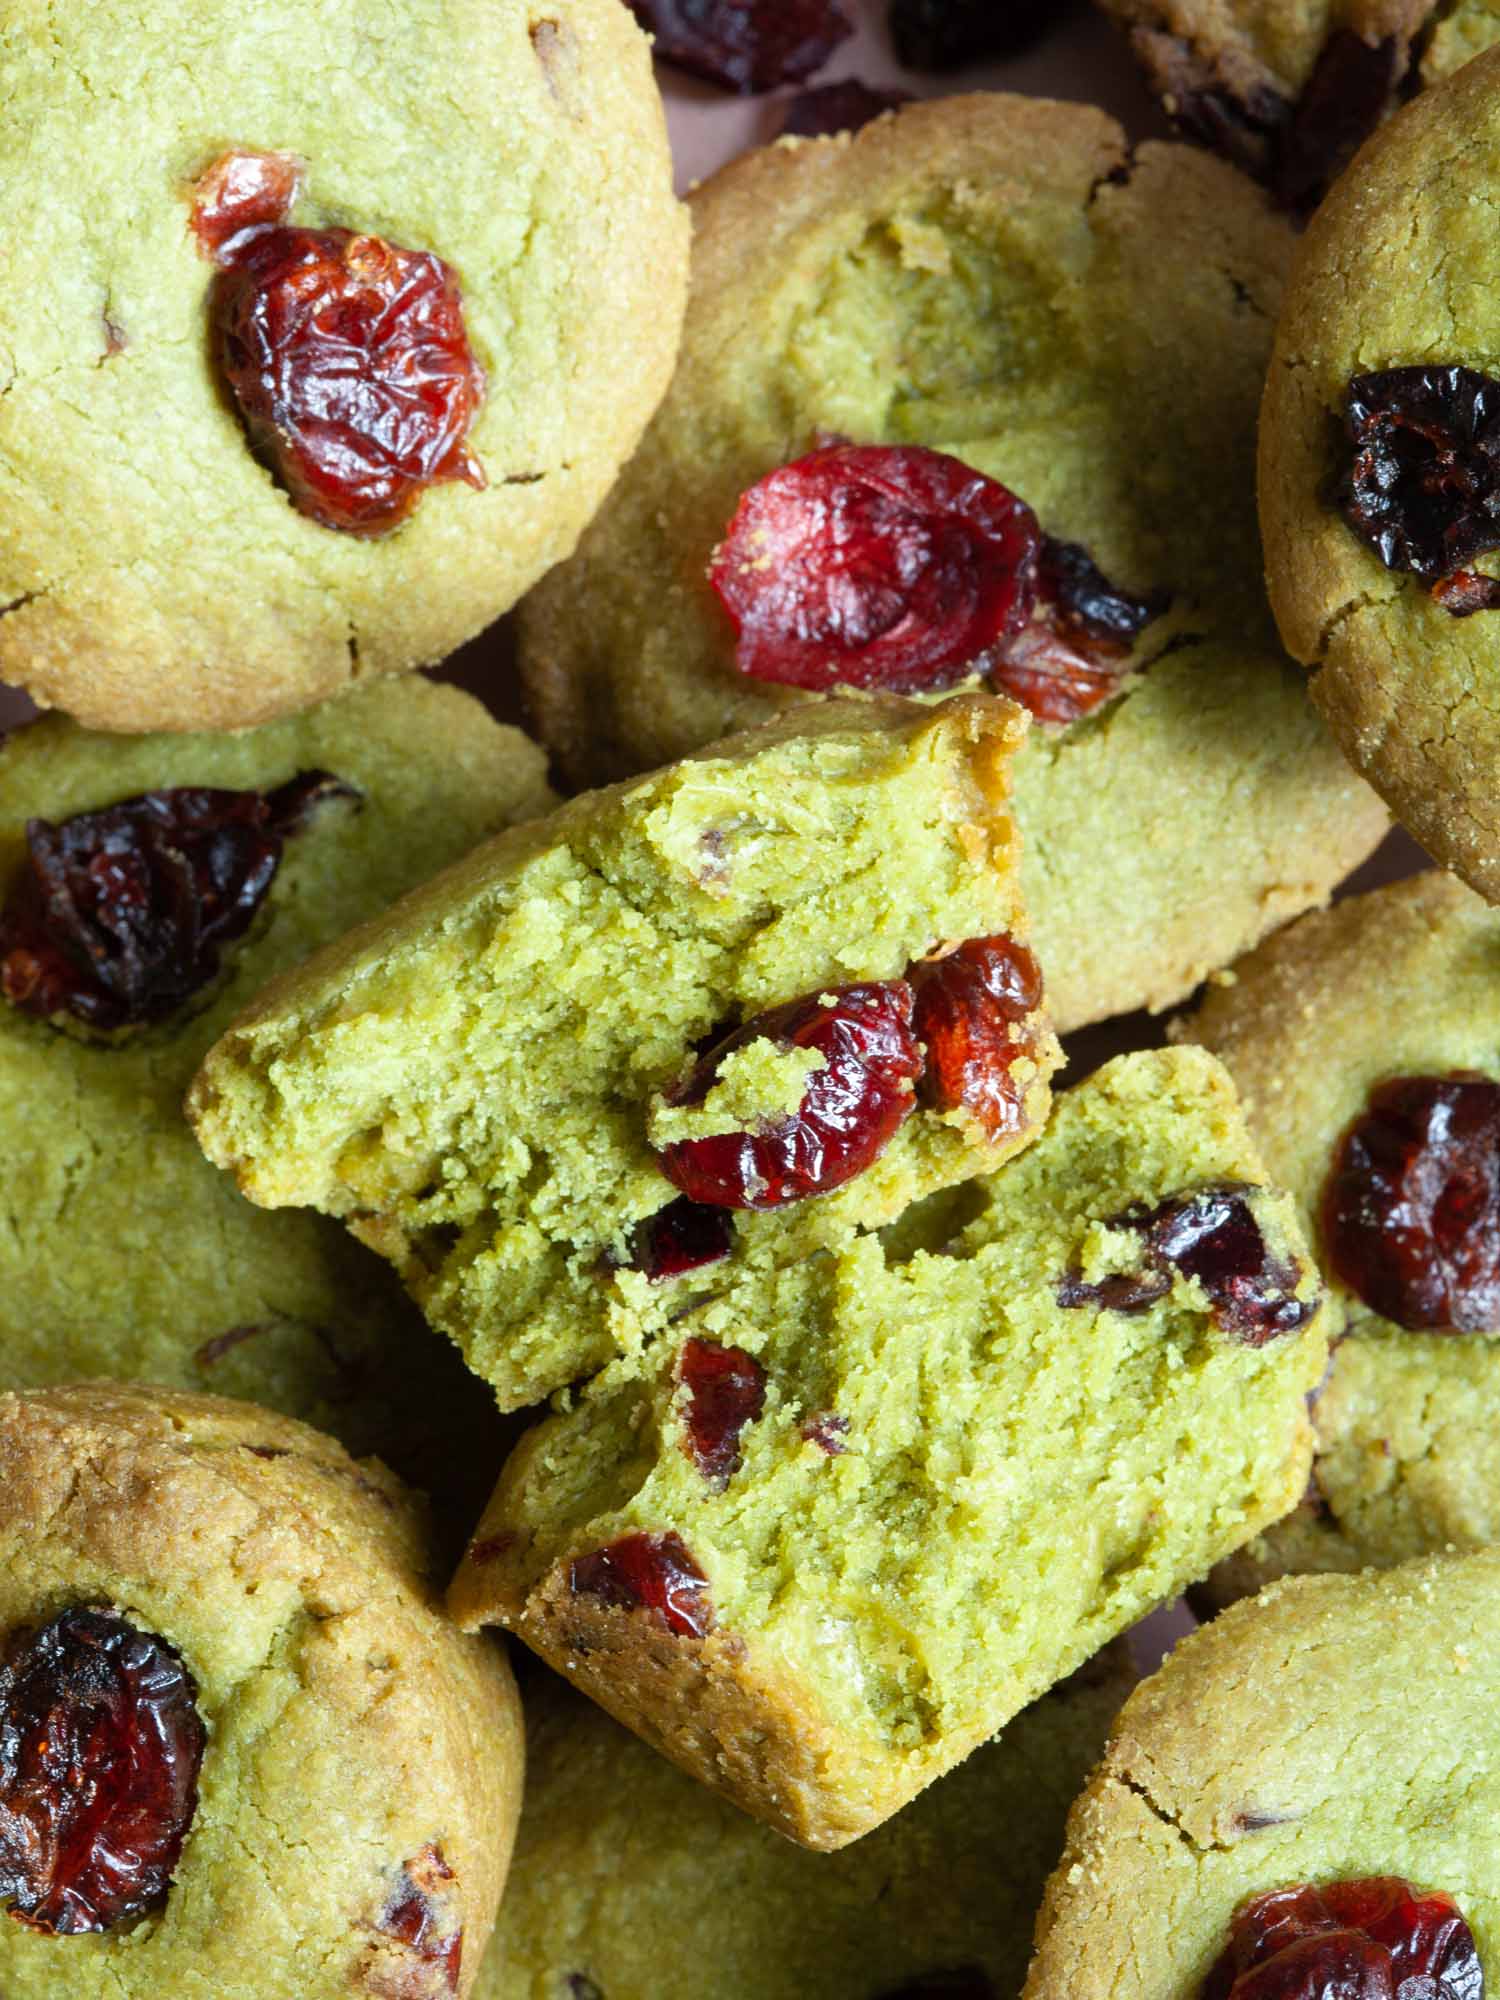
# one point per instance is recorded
(1399, 268)
(122, 1253)
(153, 574)
(1404, 981)
(1334, 1729)
(957, 1487)
(474, 1081)
(1006, 280)
(634, 1883)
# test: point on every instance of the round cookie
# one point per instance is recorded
(1403, 982)
(122, 1252)
(1335, 1729)
(323, 1773)
(946, 279)
(710, 1902)
(154, 572)
(1397, 272)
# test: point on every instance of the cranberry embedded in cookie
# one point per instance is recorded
(744, 45)
(419, 1932)
(725, 1390)
(977, 1015)
(654, 1573)
(1368, 1939)
(1074, 649)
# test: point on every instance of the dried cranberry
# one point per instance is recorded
(242, 191)
(827, 1430)
(745, 45)
(100, 1744)
(650, 1572)
(122, 915)
(1246, 130)
(976, 1015)
(947, 34)
(1424, 486)
(875, 566)
(352, 369)
(845, 106)
(1121, 1292)
(851, 1108)
(1466, 592)
(1071, 653)
(726, 1389)
(683, 1236)
(1411, 1216)
(421, 1918)
(1358, 1940)
(1345, 98)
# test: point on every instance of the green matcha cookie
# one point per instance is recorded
(1314, 1026)
(633, 1883)
(246, 1756)
(845, 1520)
(1337, 1729)
(154, 571)
(493, 1084)
(122, 1253)
(1383, 576)
(1005, 280)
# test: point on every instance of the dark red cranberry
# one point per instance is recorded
(1072, 651)
(845, 106)
(948, 34)
(647, 1572)
(100, 1744)
(683, 1236)
(960, 1982)
(1357, 1940)
(352, 369)
(242, 191)
(745, 45)
(827, 1430)
(726, 1389)
(1345, 98)
(1411, 1215)
(851, 1108)
(1121, 1292)
(1466, 592)
(421, 1918)
(120, 916)
(1423, 489)
(976, 1015)
(875, 566)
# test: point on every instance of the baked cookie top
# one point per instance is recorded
(1000, 279)
(155, 571)
(297, 1780)
(1383, 581)
(122, 1252)
(1336, 1729)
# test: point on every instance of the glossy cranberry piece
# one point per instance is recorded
(745, 45)
(947, 34)
(845, 106)
(1423, 488)
(1411, 1214)
(100, 1745)
(647, 1572)
(1356, 1940)
(875, 566)
(1345, 98)
(351, 366)
(726, 1390)
(1075, 647)
(421, 1919)
(239, 192)
(684, 1236)
(851, 1108)
(976, 1015)
(121, 916)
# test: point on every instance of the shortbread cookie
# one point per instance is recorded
(633, 1883)
(840, 1525)
(122, 1253)
(1378, 468)
(1302, 1800)
(1365, 1041)
(496, 1085)
(995, 285)
(245, 1754)
(271, 272)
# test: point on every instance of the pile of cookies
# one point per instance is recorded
(638, 1202)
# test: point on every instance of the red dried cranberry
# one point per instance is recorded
(1411, 1216)
(726, 1389)
(1345, 98)
(745, 45)
(420, 1917)
(875, 566)
(100, 1744)
(352, 369)
(1466, 592)
(1071, 653)
(851, 1108)
(846, 106)
(1424, 486)
(948, 34)
(1358, 1940)
(683, 1236)
(242, 191)
(827, 1430)
(647, 1572)
(975, 1014)
(1245, 129)
(122, 915)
